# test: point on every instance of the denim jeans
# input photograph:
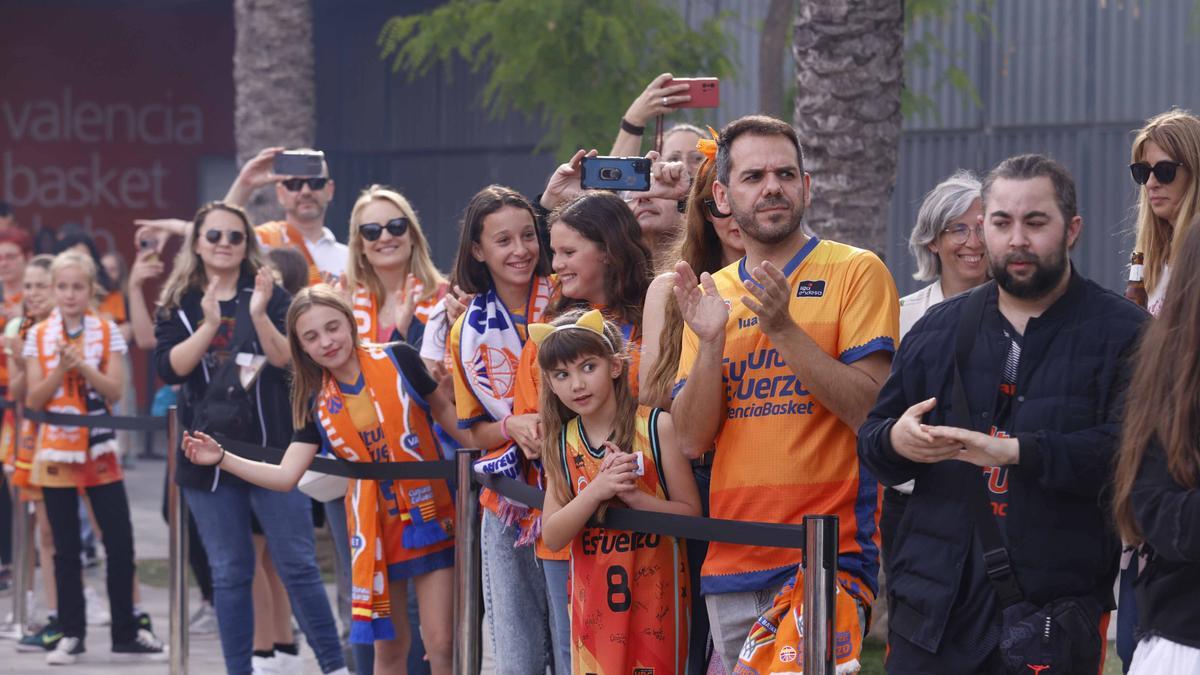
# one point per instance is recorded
(223, 517)
(558, 574)
(514, 597)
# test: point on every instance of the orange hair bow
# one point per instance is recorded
(708, 146)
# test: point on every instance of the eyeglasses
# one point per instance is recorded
(1164, 171)
(296, 184)
(959, 233)
(710, 205)
(373, 231)
(234, 237)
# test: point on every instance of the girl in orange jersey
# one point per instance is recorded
(629, 591)
(368, 403)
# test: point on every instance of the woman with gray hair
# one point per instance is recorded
(947, 242)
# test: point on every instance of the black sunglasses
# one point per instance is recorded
(296, 184)
(234, 237)
(710, 205)
(1164, 171)
(373, 231)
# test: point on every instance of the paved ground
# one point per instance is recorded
(144, 482)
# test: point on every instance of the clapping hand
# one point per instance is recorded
(406, 298)
(200, 448)
(264, 286)
(702, 307)
(911, 439)
(772, 298)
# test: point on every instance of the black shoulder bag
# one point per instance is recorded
(1062, 636)
(226, 407)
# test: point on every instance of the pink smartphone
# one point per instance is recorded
(705, 91)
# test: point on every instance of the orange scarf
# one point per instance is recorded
(71, 445)
(366, 311)
(280, 233)
(428, 511)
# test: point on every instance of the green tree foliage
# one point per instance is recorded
(921, 44)
(573, 64)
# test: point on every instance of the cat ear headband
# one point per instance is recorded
(592, 320)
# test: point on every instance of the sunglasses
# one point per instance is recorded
(296, 184)
(234, 237)
(1164, 171)
(959, 233)
(373, 231)
(710, 205)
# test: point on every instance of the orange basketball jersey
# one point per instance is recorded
(780, 453)
(629, 591)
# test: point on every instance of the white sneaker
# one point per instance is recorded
(97, 609)
(66, 652)
(204, 621)
(263, 665)
(288, 663)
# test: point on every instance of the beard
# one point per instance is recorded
(779, 228)
(1046, 273)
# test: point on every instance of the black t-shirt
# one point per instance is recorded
(411, 367)
(997, 476)
(221, 346)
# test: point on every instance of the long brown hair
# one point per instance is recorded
(470, 274)
(307, 376)
(1177, 133)
(566, 346)
(602, 218)
(700, 247)
(1163, 400)
(188, 274)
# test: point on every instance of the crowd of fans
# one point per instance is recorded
(989, 441)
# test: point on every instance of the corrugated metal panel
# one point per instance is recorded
(955, 44)
(1146, 59)
(1039, 62)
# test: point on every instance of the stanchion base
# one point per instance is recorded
(11, 631)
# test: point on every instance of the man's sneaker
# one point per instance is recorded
(204, 621)
(144, 645)
(42, 641)
(143, 621)
(66, 652)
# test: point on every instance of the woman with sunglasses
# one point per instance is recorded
(218, 268)
(711, 240)
(1165, 157)
(391, 274)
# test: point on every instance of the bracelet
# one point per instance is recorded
(631, 128)
(504, 428)
(222, 459)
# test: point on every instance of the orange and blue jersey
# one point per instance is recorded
(630, 608)
(780, 453)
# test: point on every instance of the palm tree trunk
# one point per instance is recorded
(274, 84)
(849, 76)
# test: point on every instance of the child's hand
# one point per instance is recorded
(620, 475)
(526, 430)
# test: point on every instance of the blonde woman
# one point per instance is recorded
(393, 282)
(1165, 163)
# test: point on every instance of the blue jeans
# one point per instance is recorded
(514, 596)
(558, 574)
(223, 517)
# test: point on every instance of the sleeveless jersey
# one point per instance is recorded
(629, 591)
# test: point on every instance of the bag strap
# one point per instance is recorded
(995, 554)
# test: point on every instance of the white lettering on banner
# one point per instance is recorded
(94, 184)
(65, 120)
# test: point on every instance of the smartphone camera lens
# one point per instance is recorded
(610, 173)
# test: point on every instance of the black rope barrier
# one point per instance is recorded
(775, 535)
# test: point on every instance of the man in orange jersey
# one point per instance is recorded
(783, 356)
(304, 201)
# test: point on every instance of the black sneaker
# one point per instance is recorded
(5, 581)
(42, 641)
(144, 645)
(143, 621)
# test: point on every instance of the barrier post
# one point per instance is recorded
(820, 584)
(178, 552)
(23, 551)
(467, 576)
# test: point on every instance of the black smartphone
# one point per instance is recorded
(300, 163)
(615, 173)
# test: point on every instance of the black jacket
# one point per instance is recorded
(270, 392)
(1066, 419)
(1168, 589)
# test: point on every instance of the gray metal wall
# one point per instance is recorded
(1069, 78)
